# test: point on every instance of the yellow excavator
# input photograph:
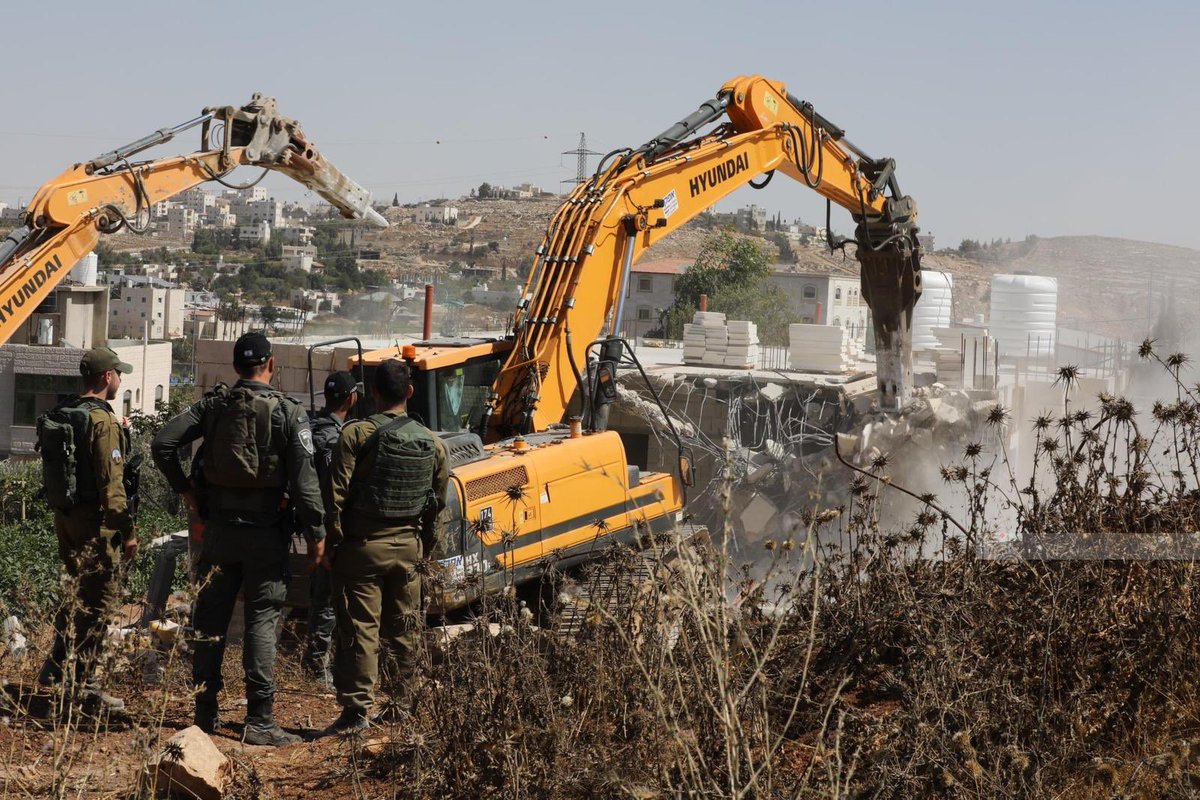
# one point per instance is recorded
(532, 486)
(109, 193)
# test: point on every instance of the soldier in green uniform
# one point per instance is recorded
(84, 450)
(388, 481)
(257, 447)
(341, 395)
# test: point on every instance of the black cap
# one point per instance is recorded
(251, 349)
(340, 385)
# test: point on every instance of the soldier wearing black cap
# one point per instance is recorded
(257, 454)
(84, 450)
(341, 395)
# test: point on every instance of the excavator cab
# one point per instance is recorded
(452, 380)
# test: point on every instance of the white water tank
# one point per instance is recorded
(933, 310)
(1024, 310)
(84, 272)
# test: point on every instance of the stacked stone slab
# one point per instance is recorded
(820, 348)
(742, 349)
(705, 339)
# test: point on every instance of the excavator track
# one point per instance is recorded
(619, 583)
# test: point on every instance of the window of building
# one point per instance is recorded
(158, 395)
(127, 403)
(809, 292)
(645, 284)
(837, 321)
(160, 315)
(34, 395)
(837, 293)
(143, 298)
(143, 315)
(643, 313)
(137, 396)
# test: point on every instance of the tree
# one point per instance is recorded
(734, 273)
(485, 191)
(786, 254)
(396, 200)
(270, 315)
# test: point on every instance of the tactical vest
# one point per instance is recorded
(393, 475)
(68, 472)
(239, 452)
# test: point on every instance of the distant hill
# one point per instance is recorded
(1108, 285)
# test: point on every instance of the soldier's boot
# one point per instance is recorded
(392, 713)
(207, 717)
(261, 728)
(350, 721)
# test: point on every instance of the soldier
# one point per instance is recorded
(257, 446)
(387, 483)
(341, 395)
(84, 450)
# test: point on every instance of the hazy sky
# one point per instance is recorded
(1005, 118)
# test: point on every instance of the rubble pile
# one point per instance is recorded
(821, 348)
(936, 422)
(776, 485)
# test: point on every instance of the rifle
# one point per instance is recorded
(131, 479)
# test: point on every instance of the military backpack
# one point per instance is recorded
(62, 438)
(239, 453)
(397, 484)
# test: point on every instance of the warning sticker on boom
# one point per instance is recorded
(670, 204)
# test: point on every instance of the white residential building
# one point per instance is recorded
(181, 220)
(445, 215)
(824, 298)
(198, 200)
(299, 257)
(651, 291)
(200, 299)
(268, 210)
(259, 232)
(137, 305)
(311, 300)
(752, 217)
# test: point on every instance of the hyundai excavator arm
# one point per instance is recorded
(580, 276)
(68, 215)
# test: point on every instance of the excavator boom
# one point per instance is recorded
(580, 276)
(68, 215)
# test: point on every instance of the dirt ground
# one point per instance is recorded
(106, 758)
